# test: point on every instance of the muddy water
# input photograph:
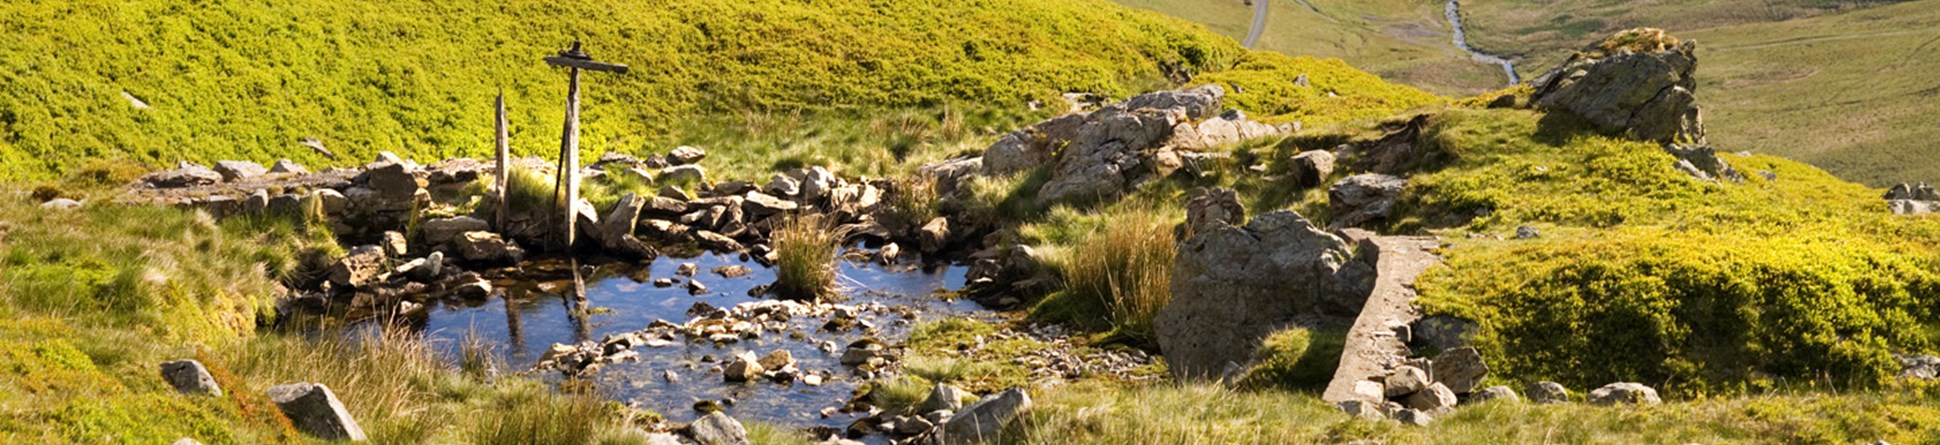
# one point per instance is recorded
(535, 315)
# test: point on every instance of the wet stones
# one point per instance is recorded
(189, 377)
(314, 410)
(744, 367)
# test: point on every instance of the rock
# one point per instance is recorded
(1031, 147)
(189, 175)
(910, 426)
(487, 247)
(943, 397)
(760, 205)
(1547, 392)
(186, 441)
(60, 204)
(189, 377)
(1912, 199)
(1232, 286)
(1498, 393)
(782, 185)
(1639, 82)
(332, 201)
(1442, 332)
(1526, 232)
(472, 287)
(1309, 168)
(1404, 381)
(1413, 417)
(696, 288)
(232, 171)
(1461, 369)
(1221, 130)
(717, 242)
(285, 166)
(777, 360)
(616, 229)
(1196, 103)
(716, 428)
(393, 181)
(817, 182)
(1434, 398)
(1207, 207)
(985, 421)
(1624, 393)
(1361, 409)
(859, 352)
(1363, 198)
(665, 207)
(946, 174)
(358, 268)
(1113, 149)
(394, 244)
(733, 271)
(1702, 162)
(744, 367)
(314, 410)
(934, 236)
(1918, 366)
(686, 155)
(256, 202)
(680, 174)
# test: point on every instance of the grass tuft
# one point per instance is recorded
(805, 250)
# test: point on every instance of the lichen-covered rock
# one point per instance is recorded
(285, 166)
(1435, 397)
(438, 231)
(717, 428)
(1232, 286)
(1496, 393)
(487, 247)
(1123, 145)
(686, 155)
(1912, 199)
(1404, 381)
(1639, 82)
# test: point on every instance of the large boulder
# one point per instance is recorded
(1639, 82)
(1231, 286)
(1364, 198)
(984, 421)
(616, 230)
(717, 429)
(1033, 146)
(314, 410)
(1309, 168)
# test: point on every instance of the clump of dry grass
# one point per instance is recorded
(805, 250)
(908, 202)
(1126, 267)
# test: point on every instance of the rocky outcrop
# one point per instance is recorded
(1232, 286)
(314, 410)
(1639, 82)
(1364, 198)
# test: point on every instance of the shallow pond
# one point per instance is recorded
(530, 316)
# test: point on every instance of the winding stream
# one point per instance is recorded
(1454, 13)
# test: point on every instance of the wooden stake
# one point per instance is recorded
(504, 159)
(569, 161)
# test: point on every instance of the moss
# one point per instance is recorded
(1296, 359)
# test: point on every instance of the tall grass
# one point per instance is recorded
(908, 203)
(805, 250)
(1126, 267)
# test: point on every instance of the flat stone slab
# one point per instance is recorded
(1372, 346)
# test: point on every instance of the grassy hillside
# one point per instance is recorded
(1405, 41)
(418, 77)
(1853, 93)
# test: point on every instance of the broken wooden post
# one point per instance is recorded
(504, 160)
(574, 60)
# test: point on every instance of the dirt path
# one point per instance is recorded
(1371, 344)
(1259, 23)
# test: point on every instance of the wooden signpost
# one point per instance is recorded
(504, 159)
(574, 59)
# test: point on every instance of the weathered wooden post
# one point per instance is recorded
(504, 159)
(574, 60)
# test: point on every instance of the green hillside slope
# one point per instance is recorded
(1854, 93)
(418, 77)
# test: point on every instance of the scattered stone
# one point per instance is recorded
(1310, 168)
(1624, 393)
(777, 360)
(759, 205)
(663, 282)
(744, 367)
(488, 247)
(188, 175)
(472, 287)
(332, 201)
(1500, 393)
(358, 268)
(1461, 369)
(189, 377)
(1404, 381)
(1231, 286)
(1547, 392)
(314, 410)
(782, 185)
(1434, 398)
(438, 231)
(686, 269)
(1364, 198)
(285, 166)
(716, 428)
(733, 271)
(686, 155)
(233, 171)
(910, 426)
(985, 421)
(1413, 417)
(943, 397)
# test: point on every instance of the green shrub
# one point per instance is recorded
(1126, 267)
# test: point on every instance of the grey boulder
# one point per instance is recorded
(189, 377)
(314, 410)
